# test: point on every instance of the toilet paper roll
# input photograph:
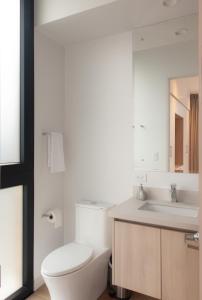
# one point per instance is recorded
(55, 217)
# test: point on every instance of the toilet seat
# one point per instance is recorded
(66, 259)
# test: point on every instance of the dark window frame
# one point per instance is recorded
(23, 173)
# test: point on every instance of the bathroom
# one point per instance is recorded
(115, 79)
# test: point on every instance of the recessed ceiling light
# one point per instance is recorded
(170, 3)
(181, 31)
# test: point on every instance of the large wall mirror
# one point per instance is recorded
(166, 96)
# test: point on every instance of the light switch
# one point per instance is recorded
(156, 156)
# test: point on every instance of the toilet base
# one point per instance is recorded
(88, 283)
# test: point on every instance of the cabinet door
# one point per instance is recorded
(180, 267)
(137, 264)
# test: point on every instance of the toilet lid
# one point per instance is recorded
(66, 259)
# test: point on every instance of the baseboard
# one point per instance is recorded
(38, 282)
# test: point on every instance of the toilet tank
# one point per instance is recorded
(93, 226)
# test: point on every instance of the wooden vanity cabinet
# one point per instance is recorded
(155, 262)
(180, 267)
(137, 259)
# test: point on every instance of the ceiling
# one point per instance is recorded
(119, 16)
(166, 33)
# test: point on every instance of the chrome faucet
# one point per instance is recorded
(173, 193)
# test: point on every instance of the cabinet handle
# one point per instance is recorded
(192, 240)
(193, 247)
(193, 237)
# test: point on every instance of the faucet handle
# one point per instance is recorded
(173, 192)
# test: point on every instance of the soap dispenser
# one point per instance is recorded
(141, 195)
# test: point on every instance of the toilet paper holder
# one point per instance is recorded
(54, 216)
(47, 215)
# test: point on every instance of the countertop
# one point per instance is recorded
(129, 211)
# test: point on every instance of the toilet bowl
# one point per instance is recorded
(78, 270)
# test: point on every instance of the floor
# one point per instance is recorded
(42, 294)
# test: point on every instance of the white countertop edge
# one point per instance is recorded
(129, 211)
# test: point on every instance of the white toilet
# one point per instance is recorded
(78, 270)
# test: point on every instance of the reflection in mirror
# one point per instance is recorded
(166, 96)
(184, 123)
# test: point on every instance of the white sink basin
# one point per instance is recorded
(171, 210)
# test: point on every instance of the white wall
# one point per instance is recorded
(163, 180)
(50, 10)
(98, 123)
(49, 115)
(153, 69)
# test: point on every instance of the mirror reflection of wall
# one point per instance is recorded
(184, 113)
(166, 81)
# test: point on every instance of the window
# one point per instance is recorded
(11, 252)
(16, 147)
(9, 81)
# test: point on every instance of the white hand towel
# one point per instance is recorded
(56, 161)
